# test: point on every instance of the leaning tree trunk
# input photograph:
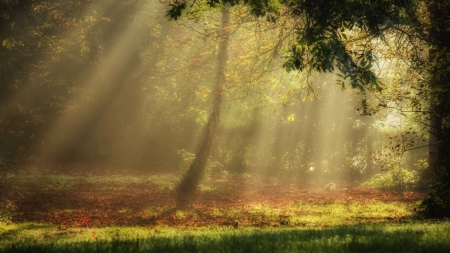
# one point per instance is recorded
(437, 202)
(190, 181)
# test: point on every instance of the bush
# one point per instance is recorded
(394, 179)
(186, 159)
(5, 213)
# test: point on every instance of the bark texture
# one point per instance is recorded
(437, 202)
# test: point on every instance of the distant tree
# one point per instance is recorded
(39, 50)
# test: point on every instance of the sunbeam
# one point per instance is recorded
(256, 119)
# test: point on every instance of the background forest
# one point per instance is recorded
(115, 83)
(232, 126)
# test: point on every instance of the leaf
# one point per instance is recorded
(175, 10)
(291, 117)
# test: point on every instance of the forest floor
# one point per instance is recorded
(86, 196)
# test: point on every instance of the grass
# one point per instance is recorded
(413, 237)
(163, 181)
(89, 210)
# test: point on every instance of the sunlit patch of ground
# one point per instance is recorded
(81, 196)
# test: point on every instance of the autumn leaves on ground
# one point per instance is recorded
(86, 196)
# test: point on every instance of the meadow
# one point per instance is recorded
(47, 208)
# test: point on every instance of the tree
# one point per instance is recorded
(437, 203)
(239, 84)
(190, 181)
(322, 45)
(54, 56)
(39, 50)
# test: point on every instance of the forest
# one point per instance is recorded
(225, 126)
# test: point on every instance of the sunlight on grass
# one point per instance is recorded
(207, 188)
(413, 237)
(164, 181)
(114, 179)
(327, 214)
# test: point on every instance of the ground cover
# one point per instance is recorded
(93, 197)
(48, 208)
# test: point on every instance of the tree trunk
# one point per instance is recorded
(369, 155)
(190, 181)
(437, 202)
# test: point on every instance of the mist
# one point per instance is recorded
(120, 85)
(113, 115)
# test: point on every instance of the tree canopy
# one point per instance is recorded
(321, 29)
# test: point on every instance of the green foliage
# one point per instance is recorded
(5, 216)
(215, 166)
(436, 204)
(175, 10)
(186, 159)
(167, 181)
(321, 41)
(422, 164)
(394, 179)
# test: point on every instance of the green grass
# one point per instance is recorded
(300, 222)
(91, 178)
(334, 214)
(413, 237)
(164, 181)
(34, 176)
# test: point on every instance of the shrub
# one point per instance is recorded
(186, 158)
(394, 179)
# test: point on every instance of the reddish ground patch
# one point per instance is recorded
(105, 204)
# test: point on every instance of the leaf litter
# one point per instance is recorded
(92, 197)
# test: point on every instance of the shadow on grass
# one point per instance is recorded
(388, 238)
